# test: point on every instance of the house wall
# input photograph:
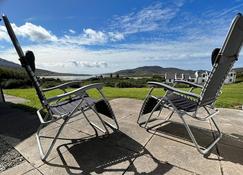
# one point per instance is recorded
(231, 77)
(201, 79)
(169, 80)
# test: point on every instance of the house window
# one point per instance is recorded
(203, 81)
(204, 75)
(230, 80)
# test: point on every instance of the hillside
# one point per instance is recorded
(9, 64)
(239, 70)
(40, 72)
(152, 70)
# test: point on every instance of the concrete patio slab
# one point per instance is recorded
(19, 169)
(14, 99)
(28, 148)
(134, 150)
(182, 154)
(16, 124)
(124, 107)
(33, 172)
(231, 159)
(154, 166)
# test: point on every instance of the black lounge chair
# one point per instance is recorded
(64, 106)
(188, 103)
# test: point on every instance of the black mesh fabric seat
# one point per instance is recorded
(67, 106)
(182, 102)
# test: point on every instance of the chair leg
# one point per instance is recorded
(85, 116)
(93, 124)
(203, 151)
(46, 154)
(101, 120)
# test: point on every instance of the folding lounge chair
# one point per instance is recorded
(64, 106)
(188, 103)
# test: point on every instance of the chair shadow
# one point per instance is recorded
(17, 124)
(114, 153)
(228, 148)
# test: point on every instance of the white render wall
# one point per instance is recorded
(203, 77)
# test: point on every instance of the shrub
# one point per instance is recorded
(181, 86)
(16, 83)
(123, 84)
(239, 77)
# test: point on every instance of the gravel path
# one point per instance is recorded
(9, 157)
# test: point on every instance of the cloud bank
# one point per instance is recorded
(163, 33)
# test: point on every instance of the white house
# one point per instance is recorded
(193, 77)
(201, 78)
(231, 77)
(198, 77)
(169, 78)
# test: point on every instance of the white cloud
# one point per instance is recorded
(91, 37)
(72, 31)
(94, 36)
(34, 32)
(90, 64)
(37, 33)
(151, 18)
(3, 34)
(76, 59)
(190, 48)
(116, 36)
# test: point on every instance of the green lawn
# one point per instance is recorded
(232, 94)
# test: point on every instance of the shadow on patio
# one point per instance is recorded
(227, 149)
(104, 154)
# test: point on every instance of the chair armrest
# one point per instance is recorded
(167, 87)
(61, 86)
(189, 83)
(76, 91)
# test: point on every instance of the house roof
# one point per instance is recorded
(179, 76)
(201, 73)
(192, 75)
(186, 76)
(169, 76)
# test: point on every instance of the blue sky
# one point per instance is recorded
(100, 36)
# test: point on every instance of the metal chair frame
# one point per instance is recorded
(47, 103)
(226, 58)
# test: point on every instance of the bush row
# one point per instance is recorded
(24, 82)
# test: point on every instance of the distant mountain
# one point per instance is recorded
(239, 69)
(5, 63)
(40, 72)
(153, 70)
